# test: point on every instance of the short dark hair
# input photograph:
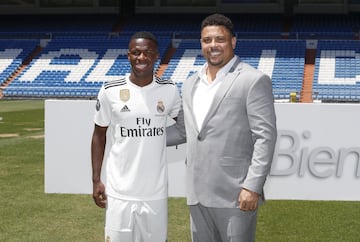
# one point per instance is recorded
(145, 35)
(220, 20)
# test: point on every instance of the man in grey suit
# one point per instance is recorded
(229, 124)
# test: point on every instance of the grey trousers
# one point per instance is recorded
(222, 224)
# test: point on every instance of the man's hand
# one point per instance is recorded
(248, 200)
(99, 194)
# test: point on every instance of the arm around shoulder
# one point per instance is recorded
(175, 133)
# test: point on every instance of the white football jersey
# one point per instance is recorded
(136, 117)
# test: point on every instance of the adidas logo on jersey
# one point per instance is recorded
(125, 109)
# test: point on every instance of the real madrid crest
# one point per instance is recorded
(98, 105)
(160, 107)
(124, 95)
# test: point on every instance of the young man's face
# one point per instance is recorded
(142, 56)
(217, 45)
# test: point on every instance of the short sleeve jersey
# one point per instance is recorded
(136, 118)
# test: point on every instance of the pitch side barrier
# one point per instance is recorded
(317, 151)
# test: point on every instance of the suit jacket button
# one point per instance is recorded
(199, 138)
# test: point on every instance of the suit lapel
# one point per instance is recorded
(221, 92)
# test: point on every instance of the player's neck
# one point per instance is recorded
(141, 81)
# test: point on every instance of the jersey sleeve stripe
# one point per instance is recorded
(115, 83)
(161, 81)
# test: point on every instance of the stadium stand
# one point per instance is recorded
(337, 71)
(75, 67)
(326, 26)
(283, 60)
(74, 62)
(12, 55)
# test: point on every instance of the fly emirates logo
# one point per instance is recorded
(143, 129)
(293, 157)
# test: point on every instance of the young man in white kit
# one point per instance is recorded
(132, 111)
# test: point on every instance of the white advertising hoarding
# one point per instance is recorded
(317, 155)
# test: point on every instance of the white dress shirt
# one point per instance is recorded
(205, 91)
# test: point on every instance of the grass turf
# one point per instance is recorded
(28, 214)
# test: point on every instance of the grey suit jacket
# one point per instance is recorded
(234, 147)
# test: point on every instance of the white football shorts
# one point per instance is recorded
(136, 221)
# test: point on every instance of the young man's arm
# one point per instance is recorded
(98, 143)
